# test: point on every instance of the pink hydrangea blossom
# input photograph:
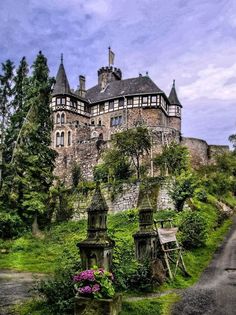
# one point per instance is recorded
(96, 288)
(85, 290)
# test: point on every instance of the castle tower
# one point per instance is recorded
(145, 238)
(174, 109)
(97, 248)
(107, 75)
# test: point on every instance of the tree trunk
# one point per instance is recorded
(138, 169)
(35, 227)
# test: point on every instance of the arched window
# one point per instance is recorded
(58, 140)
(58, 118)
(62, 118)
(62, 139)
(69, 138)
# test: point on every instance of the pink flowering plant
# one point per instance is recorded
(95, 283)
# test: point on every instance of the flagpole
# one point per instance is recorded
(109, 52)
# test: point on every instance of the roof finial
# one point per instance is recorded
(62, 59)
(174, 83)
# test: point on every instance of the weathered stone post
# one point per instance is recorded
(97, 248)
(145, 239)
(147, 247)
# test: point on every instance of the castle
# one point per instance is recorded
(85, 119)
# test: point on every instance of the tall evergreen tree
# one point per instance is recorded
(5, 106)
(20, 108)
(33, 159)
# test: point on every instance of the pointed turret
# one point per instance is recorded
(173, 98)
(62, 85)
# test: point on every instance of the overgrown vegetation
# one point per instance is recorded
(28, 198)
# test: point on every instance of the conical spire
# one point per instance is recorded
(62, 85)
(98, 202)
(145, 204)
(173, 98)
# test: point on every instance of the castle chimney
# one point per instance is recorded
(82, 90)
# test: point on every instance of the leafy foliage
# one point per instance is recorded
(115, 166)
(183, 188)
(76, 174)
(133, 143)
(29, 173)
(193, 230)
(173, 160)
(11, 225)
(59, 290)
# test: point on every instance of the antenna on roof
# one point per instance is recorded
(62, 59)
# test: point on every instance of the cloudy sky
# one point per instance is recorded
(192, 41)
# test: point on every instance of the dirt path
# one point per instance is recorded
(14, 288)
(215, 293)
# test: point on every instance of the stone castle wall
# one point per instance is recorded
(201, 153)
(198, 150)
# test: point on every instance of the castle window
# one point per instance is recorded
(178, 110)
(69, 138)
(154, 99)
(58, 139)
(99, 122)
(116, 121)
(62, 118)
(144, 99)
(58, 118)
(61, 101)
(111, 105)
(101, 108)
(62, 139)
(129, 100)
(121, 102)
(92, 122)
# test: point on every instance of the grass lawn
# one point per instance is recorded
(59, 245)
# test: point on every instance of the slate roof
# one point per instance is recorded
(173, 98)
(139, 85)
(62, 84)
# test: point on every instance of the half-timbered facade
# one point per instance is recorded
(86, 118)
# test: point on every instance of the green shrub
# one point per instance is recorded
(59, 290)
(11, 225)
(193, 230)
(141, 279)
